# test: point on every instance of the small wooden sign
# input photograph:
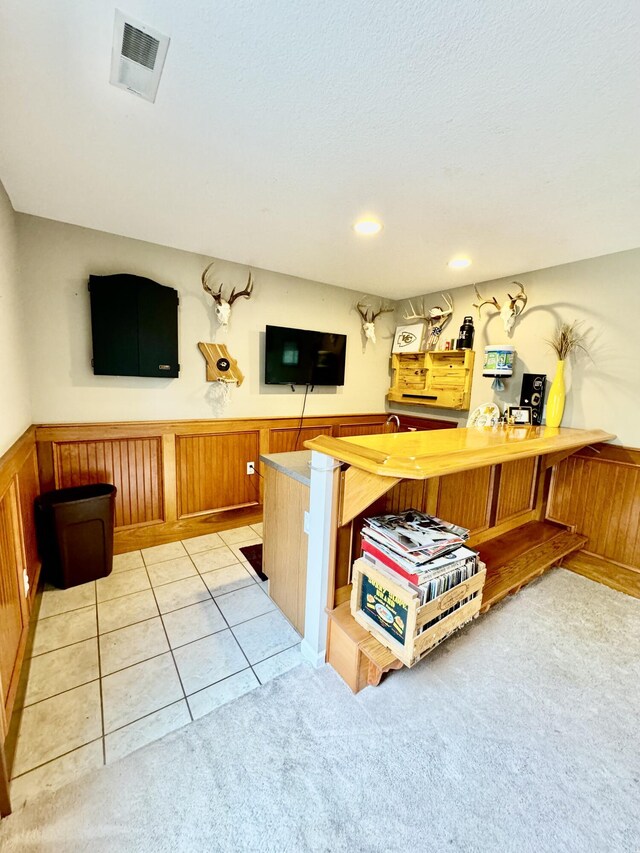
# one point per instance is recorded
(220, 365)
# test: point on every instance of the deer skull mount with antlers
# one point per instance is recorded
(436, 318)
(223, 306)
(509, 310)
(369, 316)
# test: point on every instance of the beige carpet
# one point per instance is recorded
(519, 734)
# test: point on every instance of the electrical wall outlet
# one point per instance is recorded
(305, 523)
(251, 468)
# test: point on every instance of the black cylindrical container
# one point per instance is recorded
(465, 336)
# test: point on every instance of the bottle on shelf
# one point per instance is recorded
(465, 336)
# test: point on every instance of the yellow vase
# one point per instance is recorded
(555, 401)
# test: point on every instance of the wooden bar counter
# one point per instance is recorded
(494, 481)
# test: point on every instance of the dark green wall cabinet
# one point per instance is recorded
(134, 325)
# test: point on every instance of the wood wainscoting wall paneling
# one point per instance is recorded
(172, 485)
(465, 498)
(623, 578)
(372, 428)
(14, 607)
(132, 465)
(285, 544)
(28, 490)
(212, 471)
(287, 439)
(599, 494)
(517, 488)
(408, 494)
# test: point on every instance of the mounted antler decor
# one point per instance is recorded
(222, 305)
(508, 310)
(369, 316)
(436, 318)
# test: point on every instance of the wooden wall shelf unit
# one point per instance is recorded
(436, 379)
(494, 481)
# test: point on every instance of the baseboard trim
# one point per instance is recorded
(622, 578)
(159, 533)
(316, 659)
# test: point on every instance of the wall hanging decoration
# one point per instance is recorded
(221, 367)
(369, 316)
(509, 310)
(436, 319)
(498, 363)
(223, 306)
(409, 338)
(566, 339)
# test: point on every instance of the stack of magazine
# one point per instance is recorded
(422, 552)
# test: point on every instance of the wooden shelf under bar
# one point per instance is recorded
(517, 557)
(513, 560)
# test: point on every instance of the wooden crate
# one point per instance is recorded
(405, 637)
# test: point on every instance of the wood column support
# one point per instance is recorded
(169, 489)
(323, 526)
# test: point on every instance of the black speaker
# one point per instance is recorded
(532, 394)
(134, 324)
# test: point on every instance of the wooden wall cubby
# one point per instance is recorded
(436, 379)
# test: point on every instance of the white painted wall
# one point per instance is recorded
(56, 261)
(604, 293)
(15, 412)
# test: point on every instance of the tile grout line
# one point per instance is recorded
(64, 612)
(219, 681)
(276, 608)
(148, 619)
(234, 637)
(57, 757)
(166, 583)
(97, 636)
(191, 642)
(104, 744)
(173, 657)
(64, 646)
(164, 707)
(227, 626)
(144, 717)
(61, 693)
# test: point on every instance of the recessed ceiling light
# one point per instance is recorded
(459, 263)
(367, 227)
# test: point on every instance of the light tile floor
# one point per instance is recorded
(173, 633)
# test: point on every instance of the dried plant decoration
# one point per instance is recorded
(566, 339)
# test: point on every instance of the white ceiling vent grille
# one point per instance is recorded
(137, 57)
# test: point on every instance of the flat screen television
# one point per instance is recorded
(302, 357)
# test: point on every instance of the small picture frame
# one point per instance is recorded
(520, 414)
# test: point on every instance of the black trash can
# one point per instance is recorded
(75, 533)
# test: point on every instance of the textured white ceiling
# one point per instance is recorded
(508, 131)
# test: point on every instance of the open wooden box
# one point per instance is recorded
(404, 635)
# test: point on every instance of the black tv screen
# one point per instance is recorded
(301, 357)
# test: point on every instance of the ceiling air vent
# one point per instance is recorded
(137, 57)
